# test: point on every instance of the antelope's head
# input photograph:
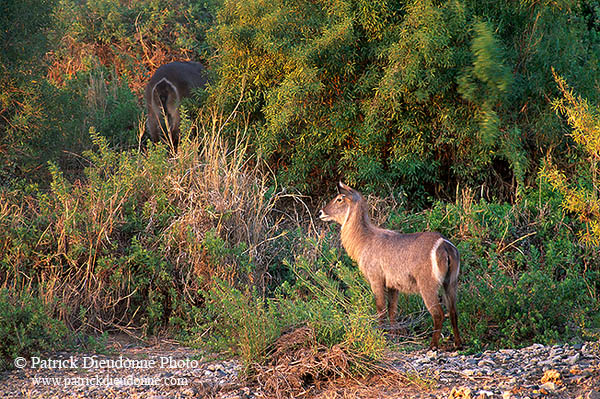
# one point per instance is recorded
(340, 207)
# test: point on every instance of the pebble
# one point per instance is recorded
(548, 386)
(506, 373)
(510, 373)
(573, 359)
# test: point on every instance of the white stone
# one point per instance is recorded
(573, 359)
(548, 386)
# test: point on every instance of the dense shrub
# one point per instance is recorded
(45, 122)
(579, 187)
(23, 42)
(524, 277)
(328, 295)
(422, 94)
(131, 38)
(27, 327)
(66, 66)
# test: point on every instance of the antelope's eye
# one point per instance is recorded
(339, 199)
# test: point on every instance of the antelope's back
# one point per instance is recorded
(185, 75)
(404, 259)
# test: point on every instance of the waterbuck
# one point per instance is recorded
(169, 84)
(393, 262)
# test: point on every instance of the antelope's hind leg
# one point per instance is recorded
(435, 309)
(450, 302)
(392, 296)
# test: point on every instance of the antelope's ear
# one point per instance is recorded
(344, 189)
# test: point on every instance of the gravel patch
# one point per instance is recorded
(561, 371)
(167, 370)
(164, 370)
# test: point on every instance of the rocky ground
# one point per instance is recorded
(567, 371)
(167, 370)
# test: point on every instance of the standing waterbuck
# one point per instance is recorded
(393, 262)
(169, 84)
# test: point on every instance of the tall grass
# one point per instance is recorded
(127, 246)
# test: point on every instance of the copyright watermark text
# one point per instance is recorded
(95, 362)
(110, 381)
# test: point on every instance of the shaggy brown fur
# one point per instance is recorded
(393, 262)
(169, 84)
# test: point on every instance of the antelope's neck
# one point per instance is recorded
(356, 232)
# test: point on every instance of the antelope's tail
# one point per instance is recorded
(451, 279)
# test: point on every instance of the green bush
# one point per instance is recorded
(72, 233)
(27, 328)
(580, 188)
(67, 66)
(137, 230)
(329, 295)
(524, 277)
(426, 95)
(51, 123)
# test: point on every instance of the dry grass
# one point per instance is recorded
(221, 187)
(72, 241)
(298, 367)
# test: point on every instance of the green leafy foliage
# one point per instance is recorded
(523, 278)
(27, 327)
(132, 37)
(67, 66)
(125, 245)
(329, 295)
(580, 191)
(426, 94)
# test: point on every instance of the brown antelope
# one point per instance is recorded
(169, 84)
(393, 262)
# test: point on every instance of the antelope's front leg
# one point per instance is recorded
(380, 301)
(392, 295)
(152, 126)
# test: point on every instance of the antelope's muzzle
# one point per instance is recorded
(323, 216)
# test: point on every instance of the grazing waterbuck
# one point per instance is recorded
(163, 93)
(393, 262)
